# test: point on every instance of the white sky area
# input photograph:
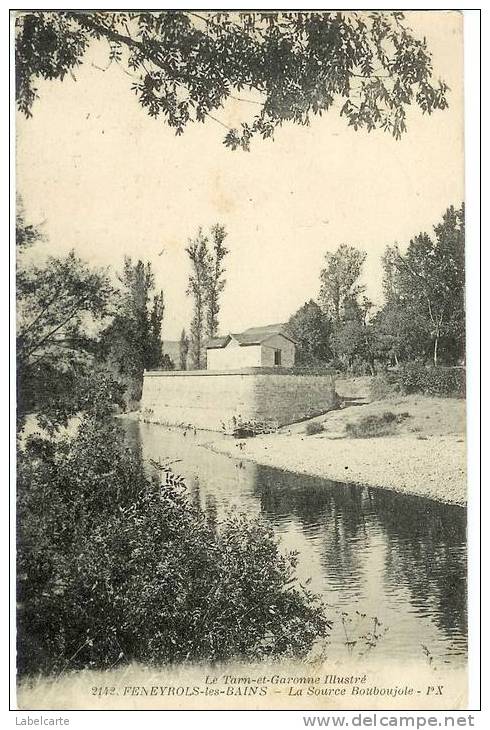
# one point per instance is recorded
(107, 180)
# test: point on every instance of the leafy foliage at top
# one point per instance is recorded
(369, 65)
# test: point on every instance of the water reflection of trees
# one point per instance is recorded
(132, 432)
(427, 553)
(424, 540)
(332, 517)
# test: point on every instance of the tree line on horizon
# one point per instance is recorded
(422, 317)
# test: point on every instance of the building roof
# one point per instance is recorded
(251, 336)
(214, 343)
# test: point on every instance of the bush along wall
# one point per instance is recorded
(440, 381)
(416, 378)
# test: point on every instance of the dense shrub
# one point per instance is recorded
(375, 425)
(417, 378)
(440, 381)
(56, 395)
(313, 427)
(116, 566)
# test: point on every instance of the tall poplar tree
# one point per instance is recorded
(197, 250)
(215, 282)
(206, 283)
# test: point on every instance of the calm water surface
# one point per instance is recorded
(397, 557)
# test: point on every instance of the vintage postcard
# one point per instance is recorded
(241, 360)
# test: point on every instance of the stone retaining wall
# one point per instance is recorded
(212, 399)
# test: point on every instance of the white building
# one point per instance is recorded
(267, 347)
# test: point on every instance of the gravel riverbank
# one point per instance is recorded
(426, 457)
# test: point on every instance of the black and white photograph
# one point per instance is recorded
(240, 266)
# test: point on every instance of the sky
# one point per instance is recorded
(106, 180)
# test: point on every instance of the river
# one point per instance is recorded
(385, 563)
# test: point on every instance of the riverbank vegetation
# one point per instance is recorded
(115, 566)
(416, 378)
(131, 342)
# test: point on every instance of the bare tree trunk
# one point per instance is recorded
(436, 346)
